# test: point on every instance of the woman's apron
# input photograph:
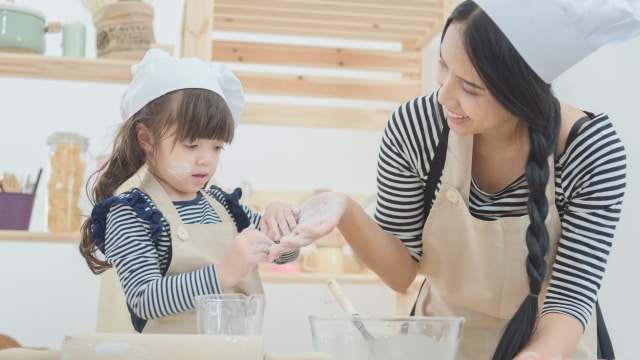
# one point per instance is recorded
(193, 246)
(475, 268)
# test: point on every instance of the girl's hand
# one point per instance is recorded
(247, 249)
(278, 220)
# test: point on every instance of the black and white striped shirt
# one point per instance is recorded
(590, 185)
(141, 262)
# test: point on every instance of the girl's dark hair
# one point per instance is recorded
(191, 113)
(523, 93)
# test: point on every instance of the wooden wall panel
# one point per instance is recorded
(410, 23)
(406, 62)
(328, 87)
(315, 116)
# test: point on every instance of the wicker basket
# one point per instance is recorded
(124, 30)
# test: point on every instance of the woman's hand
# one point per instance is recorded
(247, 249)
(278, 219)
(555, 337)
(317, 217)
(530, 355)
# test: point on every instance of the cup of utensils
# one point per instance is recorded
(16, 200)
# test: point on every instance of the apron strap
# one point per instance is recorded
(415, 303)
(436, 169)
(605, 347)
(432, 182)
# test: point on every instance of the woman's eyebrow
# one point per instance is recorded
(473, 85)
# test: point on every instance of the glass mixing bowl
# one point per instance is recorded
(389, 338)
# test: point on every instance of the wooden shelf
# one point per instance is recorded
(30, 236)
(63, 68)
(119, 71)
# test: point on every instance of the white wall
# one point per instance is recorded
(609, 81)
(45, 289)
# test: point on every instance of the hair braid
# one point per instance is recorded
(537, 236)
(524, 94)
(520, 328)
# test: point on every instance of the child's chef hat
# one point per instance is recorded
(159, 73)
(553, 35)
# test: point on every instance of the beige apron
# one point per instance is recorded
(476, 269)
(194, 246)
(113, 315)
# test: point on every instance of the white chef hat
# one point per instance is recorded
(553, 35)
(159, 73)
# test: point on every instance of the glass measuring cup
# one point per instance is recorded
(230, 314)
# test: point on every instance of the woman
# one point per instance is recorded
(518, 235)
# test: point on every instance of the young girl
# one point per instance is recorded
(168, 237)
(515, 232)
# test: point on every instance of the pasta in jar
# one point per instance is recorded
(67, 164)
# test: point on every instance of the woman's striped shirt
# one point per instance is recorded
(589, 180)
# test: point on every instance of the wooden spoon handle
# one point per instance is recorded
(345, 304)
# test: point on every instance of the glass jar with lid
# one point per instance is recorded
(68, 159)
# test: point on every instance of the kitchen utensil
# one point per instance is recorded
(35, 184)
(230, 314)
(24, 184)
(346, 305)
(24, 29)
(94, 5)
(10, 183)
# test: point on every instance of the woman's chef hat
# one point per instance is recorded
(553, 35)
(159, 73)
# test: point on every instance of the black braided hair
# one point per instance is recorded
(523, 93)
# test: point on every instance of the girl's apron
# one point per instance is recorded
(476, 269)
(193, 246)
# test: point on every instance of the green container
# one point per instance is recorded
(22, 29)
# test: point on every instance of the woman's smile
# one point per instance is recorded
(455, 118)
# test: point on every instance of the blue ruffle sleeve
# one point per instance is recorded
(135, 199)
(232, 202)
